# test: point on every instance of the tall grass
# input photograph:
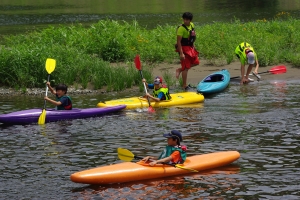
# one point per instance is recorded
(84, 55)
(274, 41)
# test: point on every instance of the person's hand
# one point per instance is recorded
(144, 80)
(147, 95)
(46, 98)
(146, 159)
(244, 80)
(48, 84)
(182, 56)
(153, 163)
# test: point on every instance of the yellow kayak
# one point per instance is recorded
(182, 98)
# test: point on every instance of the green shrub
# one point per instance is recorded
(84, 55)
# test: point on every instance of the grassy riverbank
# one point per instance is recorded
(84, 55)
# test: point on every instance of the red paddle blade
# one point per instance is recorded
(278, 69)
(137, 62)
(150, 109)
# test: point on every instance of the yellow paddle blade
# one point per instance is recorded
(125, 154)
(185, 168)
(50, 65)
(42, 117)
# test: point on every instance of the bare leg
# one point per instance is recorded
(249, 70)
(178, 71)
(184, 78)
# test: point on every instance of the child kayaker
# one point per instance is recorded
(174, 153)
(160, 92)
(62, 102)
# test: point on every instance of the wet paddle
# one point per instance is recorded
(138, 65)
(50, 66)
(274, 70)
(126, 155)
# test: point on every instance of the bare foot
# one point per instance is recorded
(178, 71)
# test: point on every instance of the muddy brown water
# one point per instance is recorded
(260, 120)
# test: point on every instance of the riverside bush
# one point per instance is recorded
(85, 55)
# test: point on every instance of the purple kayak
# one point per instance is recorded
(32, 115)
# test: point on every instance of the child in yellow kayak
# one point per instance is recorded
(62, 102)
(160, 91)
(174, 153)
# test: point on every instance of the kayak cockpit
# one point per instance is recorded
(214, 78)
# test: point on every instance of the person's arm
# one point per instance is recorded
(152, 97)
(158, 98)
(51, 88)
(163, 160)
(174, 157)
(179, 47)
(256, 67)
(243, 77)
(148, 158)
(56, 103)
(150, 86)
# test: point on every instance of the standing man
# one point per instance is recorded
(186, 37)
(246, 53)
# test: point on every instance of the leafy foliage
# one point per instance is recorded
(85, 55)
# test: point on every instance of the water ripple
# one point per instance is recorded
(36, 161)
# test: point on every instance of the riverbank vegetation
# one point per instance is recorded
(85, 55)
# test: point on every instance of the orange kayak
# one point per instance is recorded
(129, 171)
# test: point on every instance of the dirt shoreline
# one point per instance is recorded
(195, 75)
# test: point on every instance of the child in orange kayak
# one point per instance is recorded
(174, 153)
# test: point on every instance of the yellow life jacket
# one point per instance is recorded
(163, 90)
(245, 48)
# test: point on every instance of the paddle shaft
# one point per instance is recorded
(48, 79)
(250, 74)
(275, 70)
(145, 88)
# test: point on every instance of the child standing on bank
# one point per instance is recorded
(62, 102)
(188, 54)
(174, 153)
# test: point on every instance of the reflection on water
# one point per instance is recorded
(187, 113)
(260, 120)
(170, 188)
(20, 16)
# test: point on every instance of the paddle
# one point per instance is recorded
(126, 155)
(274, 70)
(50, 66)
(137, 62)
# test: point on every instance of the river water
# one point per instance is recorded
(260, 120)
(28, 15)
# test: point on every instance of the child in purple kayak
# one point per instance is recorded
(62, 102)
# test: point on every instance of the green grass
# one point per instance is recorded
(85, 55)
